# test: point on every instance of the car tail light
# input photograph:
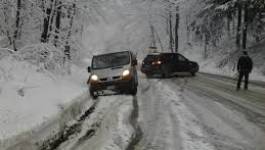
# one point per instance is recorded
(157, 62)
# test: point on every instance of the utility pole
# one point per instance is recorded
(176, 30)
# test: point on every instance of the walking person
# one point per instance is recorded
(244, 68)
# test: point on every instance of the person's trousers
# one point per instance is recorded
(241, 75)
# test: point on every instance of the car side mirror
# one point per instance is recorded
(134, 62)
(88, 69)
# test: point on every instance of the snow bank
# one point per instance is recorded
(110, 123)
(210, 64)
(116, 131)
(31, 95)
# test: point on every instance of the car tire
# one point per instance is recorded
(193, 74)
(165, 72)
(133, 89)
(148, 75)
(93, 94)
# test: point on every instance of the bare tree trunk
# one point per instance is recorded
(159, 40)
(188, 29)
(170, 32)
(239, 24)
(206, 42)
(228, 27)
(57, 22)
(9, 37)
(46, 22)
(176, 30)
(153, 39)
(71, 14)
(17, 24)
(234, 26)
(53, 13)
(245, 29)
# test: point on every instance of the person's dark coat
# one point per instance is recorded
(244, 64)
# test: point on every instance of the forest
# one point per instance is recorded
(215, 26)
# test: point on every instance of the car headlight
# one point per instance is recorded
(125, 73)
(94, 77)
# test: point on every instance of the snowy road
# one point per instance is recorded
(203, 113)
(184, 113)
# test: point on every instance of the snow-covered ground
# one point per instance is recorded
(184, 113)
(111, 125)
(29, 96)
(200, 113)
(210, 65)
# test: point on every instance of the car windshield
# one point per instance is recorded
(110, 60)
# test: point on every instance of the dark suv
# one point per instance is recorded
(168, 64)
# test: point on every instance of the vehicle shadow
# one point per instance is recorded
(102, 94)
(185, 76)
(138, 133)
(171, 77)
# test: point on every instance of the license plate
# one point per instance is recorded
(147, 66)
(111, 87)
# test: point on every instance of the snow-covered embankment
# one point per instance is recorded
(33, 100)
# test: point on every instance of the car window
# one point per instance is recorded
(133, 57)
(152, 58)
(181, 58)
(111, 60)
(168, 57)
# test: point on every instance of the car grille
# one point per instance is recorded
(116, 77)
(108, 79)
(103, 79)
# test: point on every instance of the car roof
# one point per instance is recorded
(162, 53)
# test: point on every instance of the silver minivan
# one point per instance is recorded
(113, 72)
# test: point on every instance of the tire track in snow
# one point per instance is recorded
(137, 136)
(190, 132)
(150, 116)
(254, 112)
(219, 117)
(63, 135)
(33, 140)
(166, 122)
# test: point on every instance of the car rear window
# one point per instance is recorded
(151, 58)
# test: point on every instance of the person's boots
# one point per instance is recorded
(246, 84)
(246, 87)
(238, 86)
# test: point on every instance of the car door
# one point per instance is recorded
(181, 64)
(169, 60)
(174, 62)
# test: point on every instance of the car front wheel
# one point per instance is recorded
(165, 72)
(93, 94)
(133, 88)
(148, 75)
